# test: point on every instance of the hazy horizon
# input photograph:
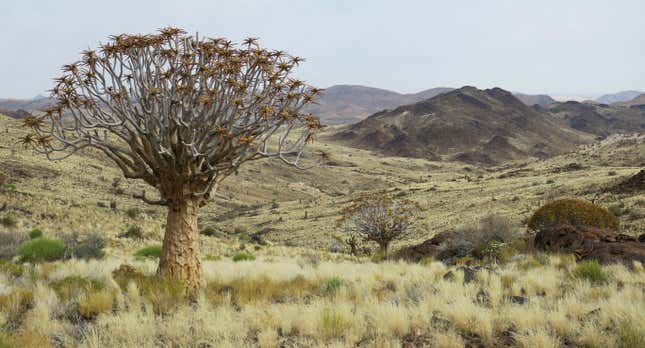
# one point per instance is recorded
(579, 48)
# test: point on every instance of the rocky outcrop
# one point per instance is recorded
(588, 242)
(633, 184)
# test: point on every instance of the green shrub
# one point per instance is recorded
(333, 284)
(208, 231)
(41, 249)
(9, 187)
(573, 212)
(35, 233)
(211, 257)
(150, 251)
(133, 213)
(243, 256)
(592, 271)
(133, 232)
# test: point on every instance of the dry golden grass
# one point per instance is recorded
(386, 302)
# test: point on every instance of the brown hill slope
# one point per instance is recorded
(472, 125)
(343, 104)
(29, 105)
(601, 119)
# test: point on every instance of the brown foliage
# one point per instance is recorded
(379, 218)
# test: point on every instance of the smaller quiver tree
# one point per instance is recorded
(181, 113)
(379, 218)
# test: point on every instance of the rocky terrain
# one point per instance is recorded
(468, 124)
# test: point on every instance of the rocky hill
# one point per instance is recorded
(600, 119)
(29, 105)
(468, 124)
(538, 99)
(342, 104)
(623, 96)
(345, 104)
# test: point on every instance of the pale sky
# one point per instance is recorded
(566, 47)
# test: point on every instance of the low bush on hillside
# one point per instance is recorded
(88, 247)
(9, 243)
(592, 271)
(35, 233)
(150, 251)
(133, 232)
(574, 212)
(42, 249)
(243, 256)
(209, 231)
(494, 238)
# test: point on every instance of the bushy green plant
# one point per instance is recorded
(133, 213)
(243, 256)
(150, 251)
(41, 249)
(9, 187)
(209, 231)
(333, 284)
(592, 271)
(35, 233)
(574, 212)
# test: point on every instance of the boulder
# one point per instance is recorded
(588, 242)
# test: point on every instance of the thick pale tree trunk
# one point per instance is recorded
(180, 251)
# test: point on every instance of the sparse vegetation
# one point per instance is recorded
(133, 232)
(592, 271)
(243, 256)
(379, 218)
(151, 251)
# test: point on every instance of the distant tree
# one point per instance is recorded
(182, 113)
(378, 218)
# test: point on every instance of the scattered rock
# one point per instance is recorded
(588, 242)
(519, 300)
(470, 274)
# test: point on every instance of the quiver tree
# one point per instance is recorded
(378, 218)
(181, 113)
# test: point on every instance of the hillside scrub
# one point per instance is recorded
(574, 212)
